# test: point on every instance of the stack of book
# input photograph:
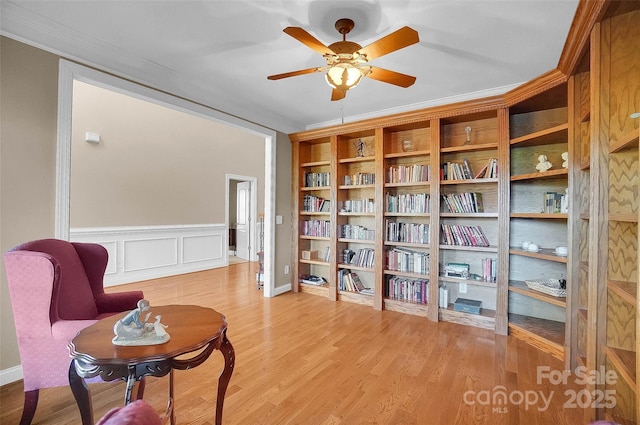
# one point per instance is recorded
(406, 260)
(315, 204)
(408, 173)
(453, 234)
(408, 290)
(359, 179)
(414, 203)
(357, 232)
(364, 257)
(365, 205)
(320, 228)
(317, 179)
(466, 202)
(417, 233)
(350, 281)
(489, 269)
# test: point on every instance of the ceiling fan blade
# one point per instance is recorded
(391, 77)
(397, 40)
(338, 94)
(294, 73)
(307, 39)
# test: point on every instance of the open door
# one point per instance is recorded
(243, 220)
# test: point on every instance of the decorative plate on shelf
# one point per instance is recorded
(547, 286)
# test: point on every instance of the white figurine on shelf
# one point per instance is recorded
(159, 328)
(543, 164)
(565, 158)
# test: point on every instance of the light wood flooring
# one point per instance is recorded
(302, 359)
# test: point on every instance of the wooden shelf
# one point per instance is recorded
(315, 212)
(406, 307)
(408, 245)
(584, 216)
(486, 319)
(357, 159)
(544, 254)
(556, 216)
(629, 141)
(469, 215)
(315, 238)
(467, 281)
(625, 363)
(543, 137)
(309, 188)
(623, 217)
(522, 288)
(406, 154)
(363, 241)
(544, 334)
(315, 164)
(468, 181)
(628, 291)
(469, 148)
(553, 174)
(356, 186)
(470, 248)
(583, 314)
(354, 267)
(355, 297)
(584, 265)
(314, 262)
(321, 290)
(406, 274)
(357, 214)
(397, 214)
(409, 184)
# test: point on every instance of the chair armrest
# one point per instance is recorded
(66, 330)
(118, 301)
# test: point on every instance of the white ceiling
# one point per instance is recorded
(219, 53)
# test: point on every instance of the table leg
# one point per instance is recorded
(131, 382)
(223, 381)
(80, 391)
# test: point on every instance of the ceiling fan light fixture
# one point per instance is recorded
(343, 76)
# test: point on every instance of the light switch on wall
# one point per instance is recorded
(278, 219)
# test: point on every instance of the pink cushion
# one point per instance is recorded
(137, 413)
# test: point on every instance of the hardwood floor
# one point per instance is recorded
(302, 359)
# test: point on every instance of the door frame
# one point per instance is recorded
(70, 71)
(253, 208)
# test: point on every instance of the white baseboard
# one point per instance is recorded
(148, 252)
(10, 375)
(278, 290)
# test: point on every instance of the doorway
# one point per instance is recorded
(69, 72)
(241, 217)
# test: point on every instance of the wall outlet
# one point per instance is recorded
(463, 288)
(286, 269)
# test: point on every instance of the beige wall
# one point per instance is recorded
(28, 114)
(154, 165)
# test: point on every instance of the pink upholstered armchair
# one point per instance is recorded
(56, 290)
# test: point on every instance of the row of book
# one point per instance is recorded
(408, 290)
(408, 173)
(407, 232)
(466, 202)
(555, 202)
(489, 269)
(407, 260)
(414, 203)
(453, 234)
(320, 228)
(359, 179)
(315, 204)
(350, 281)
(364, 257)
(317, 179)
(462, 170)
(366, 205)
(353, 231)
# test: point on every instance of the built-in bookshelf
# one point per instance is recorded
(539, 214)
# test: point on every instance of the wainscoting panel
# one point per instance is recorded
(148, 252)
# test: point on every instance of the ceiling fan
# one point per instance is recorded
(347, 62)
